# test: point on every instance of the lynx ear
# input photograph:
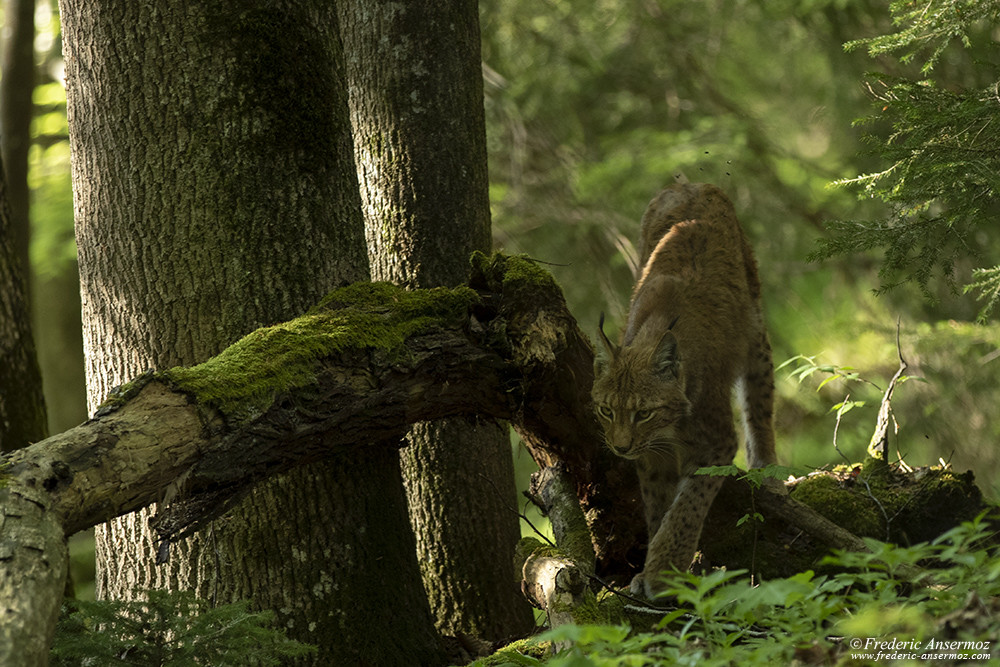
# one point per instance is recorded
(667, 359)
(608, 345)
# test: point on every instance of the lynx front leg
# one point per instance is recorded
(658, 477)
(676, 540)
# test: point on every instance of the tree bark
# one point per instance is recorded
(199, 438)
(215, 192)
(416, 100)
(22, 406)
(16, 111)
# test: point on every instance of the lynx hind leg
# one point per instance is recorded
(756, 397)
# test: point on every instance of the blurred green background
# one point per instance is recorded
(592, 107)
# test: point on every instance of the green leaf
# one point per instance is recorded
(720, 471)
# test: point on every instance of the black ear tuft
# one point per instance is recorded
(608, 345)
(667, 359)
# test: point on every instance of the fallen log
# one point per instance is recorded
(353, 372)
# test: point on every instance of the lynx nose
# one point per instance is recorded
(624, 448)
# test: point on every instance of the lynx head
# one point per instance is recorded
(639, 393)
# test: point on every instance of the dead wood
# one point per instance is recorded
(512, 351)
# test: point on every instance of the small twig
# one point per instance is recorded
(836, 428)
(753, 548)
(879, 445)
(521, 514)
(639, 602)
(542, 261)
(878, 503)
(524, 517)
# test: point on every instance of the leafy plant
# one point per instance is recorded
(756, 477)
(722, 618)
(807, 367)
(169, 629)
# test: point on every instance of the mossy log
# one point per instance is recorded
(834, 510)
(353, 372)
(551, 580)
(768, 533)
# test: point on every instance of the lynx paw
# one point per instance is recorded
(635, 588)
(640, 587)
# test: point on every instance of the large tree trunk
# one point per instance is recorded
(22, 407)
(215, 192)
(16, 110)
(420, 145)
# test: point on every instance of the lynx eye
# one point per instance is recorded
(641, 416)
(606, 412)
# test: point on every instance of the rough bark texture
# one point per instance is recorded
(417, 107)
(22, 407)
(16, 110)
(33, 557)
(215, 192)
(199, 438)
(416, 101)
(606, 484)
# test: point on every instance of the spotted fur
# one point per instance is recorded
(664, 396)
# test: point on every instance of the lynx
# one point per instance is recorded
(695, 329)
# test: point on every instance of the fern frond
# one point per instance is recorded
(169, 628)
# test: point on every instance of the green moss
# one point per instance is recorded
(407, 304)
(875, 469)
(515, 276)
(244, 379)
(605, 608)
(527, 546)
(853, 511)
(518, 281)
(521, 652)
(123, 393)
(521, 272)
(884, 502)
(578, 542)
(935, 501)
